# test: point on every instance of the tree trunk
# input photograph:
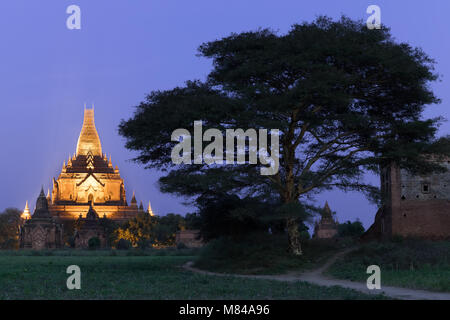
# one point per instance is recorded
(294, 237)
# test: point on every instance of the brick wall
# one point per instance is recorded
(414, 205)
(428, 219)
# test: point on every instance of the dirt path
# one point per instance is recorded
(316, 277)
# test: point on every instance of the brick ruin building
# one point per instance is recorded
(326, 227)
(41, 231)
(414, 205)
(88, 177)
(189, 238)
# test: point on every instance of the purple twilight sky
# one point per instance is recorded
(124, 50)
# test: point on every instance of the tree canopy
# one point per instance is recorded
(145, 230)
(345, 99)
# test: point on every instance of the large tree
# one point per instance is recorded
(344, 98)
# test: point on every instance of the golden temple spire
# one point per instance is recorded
(149, 210)
(26, 212)
(89, 139)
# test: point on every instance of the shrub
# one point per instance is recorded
(402, 255)
(10, 244)
(144, 244)
(181, 246)
(396, 238)
(71, 242)
(304, 235)
(350, 229)
(123, 244)
(260, 253)
(9, 224)
(94, 243)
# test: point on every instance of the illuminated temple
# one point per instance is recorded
(87, 183)
(89, 176)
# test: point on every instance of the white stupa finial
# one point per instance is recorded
(149, 210)
(26, 212)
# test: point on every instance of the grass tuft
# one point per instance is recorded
(410, 263)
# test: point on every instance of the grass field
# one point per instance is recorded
(409, 263)
(138, 275)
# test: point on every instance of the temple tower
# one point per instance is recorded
(326, 227)
(41, 231)
(89, 176)
(89, 140)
